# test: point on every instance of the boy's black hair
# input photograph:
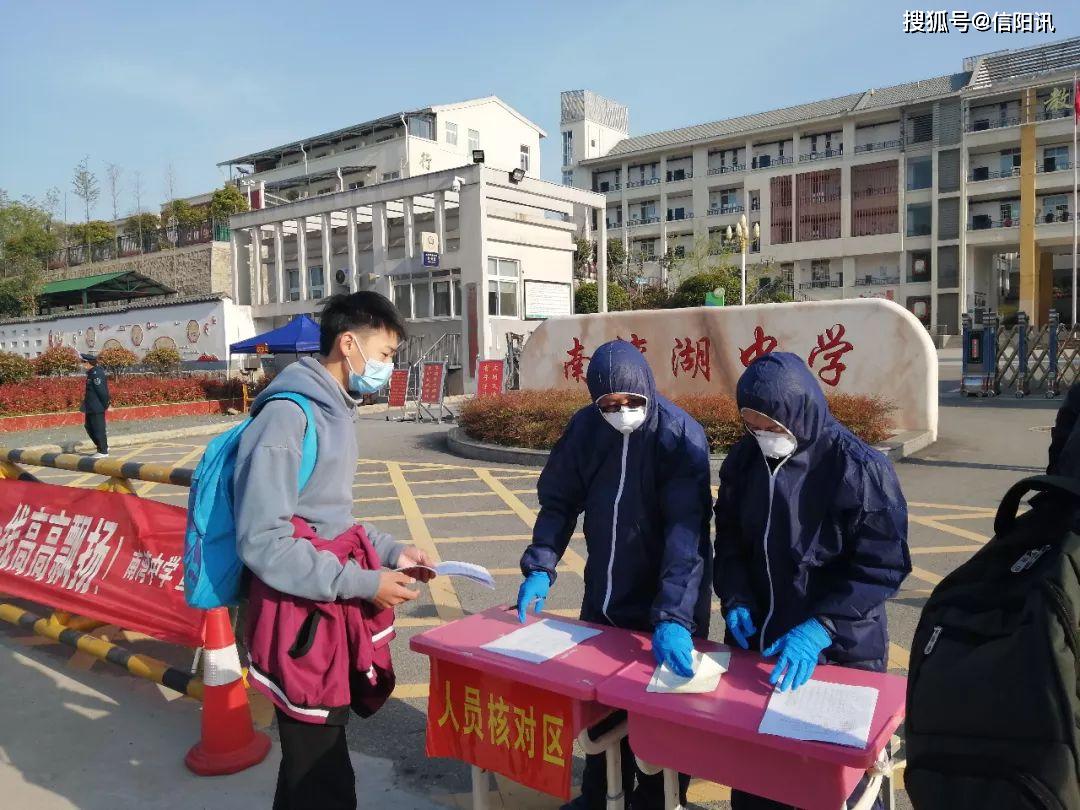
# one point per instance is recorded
(360, 310)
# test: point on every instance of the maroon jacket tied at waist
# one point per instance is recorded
(316, 659)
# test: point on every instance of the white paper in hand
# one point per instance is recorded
(708, 667)
(450, 568)
(823, 712)
(541, 641)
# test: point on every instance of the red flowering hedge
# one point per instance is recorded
(60, 394)
(537, 419)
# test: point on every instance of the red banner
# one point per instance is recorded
(490, 382)
(431, 383)
(112, 557)
(399, 386)
(520, 731)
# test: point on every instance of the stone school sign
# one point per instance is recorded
(864, 346)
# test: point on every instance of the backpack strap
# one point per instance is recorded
(310, 447)
(1058, 484)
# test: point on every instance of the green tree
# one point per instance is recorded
(707, 254)
(163, 360)
(650, 297)
(616, 255)
(691, 291)
(585, 298)
(85, 185)
(227, 201)
(94, 232)
(28, 238)
(583, 257)
(185, 214)
(20, 286)
(141, 223)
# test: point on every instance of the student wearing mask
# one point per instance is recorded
(359, 337)
(811, 534)
(638, 467)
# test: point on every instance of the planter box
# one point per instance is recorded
(12, 424)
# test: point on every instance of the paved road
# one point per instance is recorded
(483, 513)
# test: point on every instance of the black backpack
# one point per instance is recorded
(992, 699)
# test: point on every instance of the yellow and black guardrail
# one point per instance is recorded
(71, 630)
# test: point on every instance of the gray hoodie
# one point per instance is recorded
(265, 488)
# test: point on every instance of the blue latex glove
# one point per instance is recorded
(672, 645)
(799, 649)
(533, 589)
(741, 626)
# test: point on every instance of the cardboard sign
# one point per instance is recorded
(113, 557)
(505, 726)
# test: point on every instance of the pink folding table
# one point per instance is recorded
(715, 736)
(574, 675)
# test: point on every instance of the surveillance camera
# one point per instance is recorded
(456, 185)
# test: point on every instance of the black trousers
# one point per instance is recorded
(315, 772)
(647, 794)
(95, 429)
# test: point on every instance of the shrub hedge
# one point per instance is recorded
(536, 419)
(61, 394)
(57, 360)
(14, 368)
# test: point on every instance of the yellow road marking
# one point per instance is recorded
(944, 549)
(447, 604)
(417, 621)
(441, 481)
(148, 486)
(82, 479)
(899, 658)
(379, 484)
(960, 516)
(926, 576)
(486, 513)
(945, 527)
(405, 691)
(574, 561)
(489, 538)
(952, 506)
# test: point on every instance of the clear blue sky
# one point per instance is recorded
(146, 85)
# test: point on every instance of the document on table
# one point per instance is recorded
(476, 573)
(708, 667)
(823, 712)
(541, 641)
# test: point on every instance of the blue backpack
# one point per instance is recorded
(213, 571)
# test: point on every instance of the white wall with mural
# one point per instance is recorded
(198, 330)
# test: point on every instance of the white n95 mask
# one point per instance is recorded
(775, 445)
(626, 419)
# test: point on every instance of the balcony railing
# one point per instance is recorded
(768, 161)
(687, 215)
(985, 223)
(603, 188)
(983, 173)
(638, 183)
(878, 147)
(918, 230)
(876, 281)
(1053, 115)
(1050, 217)
(153, 241)
(821, 284)
(824, 154)
(735, 167)
(634, 223)
(1053, 165)
(679, 175)
(725, 209)
(612, 225)
(984, 124)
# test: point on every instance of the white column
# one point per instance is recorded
(663, 214)
(257, 292)
(327, 252)
(354, 254)
(378, 243)
(234, 244)
(409, 222)
(301, 257)
(440, 219)
(601, 264)
(279, 262)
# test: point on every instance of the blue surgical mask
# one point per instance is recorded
(375, 377)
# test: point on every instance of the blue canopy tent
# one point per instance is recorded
(298, 336)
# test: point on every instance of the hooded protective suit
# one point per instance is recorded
(823, 535)
(646, 501)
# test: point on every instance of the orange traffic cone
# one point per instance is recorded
(229, 741)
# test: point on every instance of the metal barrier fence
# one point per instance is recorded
(1020, 359)
(74, 631)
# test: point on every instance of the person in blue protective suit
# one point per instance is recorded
(811, 534)
(638, 467)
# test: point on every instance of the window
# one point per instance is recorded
(431, 294)
(1007, 210)
(441, 298)
(356, 185)
(349, 148)
(918, 219)
(316, 282)
(403, 296)
(1055, 209)
(474, 139)
(568, 178)
(920, 172)
(451, 133)
(1010, 162)
(390, 176)
(422, 126)
(503, 277)
(919, 270)
(567, 148)
(294, 285)
(524, 157)
(1055, 158)
(421, 297)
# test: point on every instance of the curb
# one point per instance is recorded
(85, 445)
(895, 449)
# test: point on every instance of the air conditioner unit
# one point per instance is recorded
(341, 277)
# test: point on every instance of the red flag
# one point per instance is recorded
(1076, 100)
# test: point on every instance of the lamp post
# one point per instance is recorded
(744, 234)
